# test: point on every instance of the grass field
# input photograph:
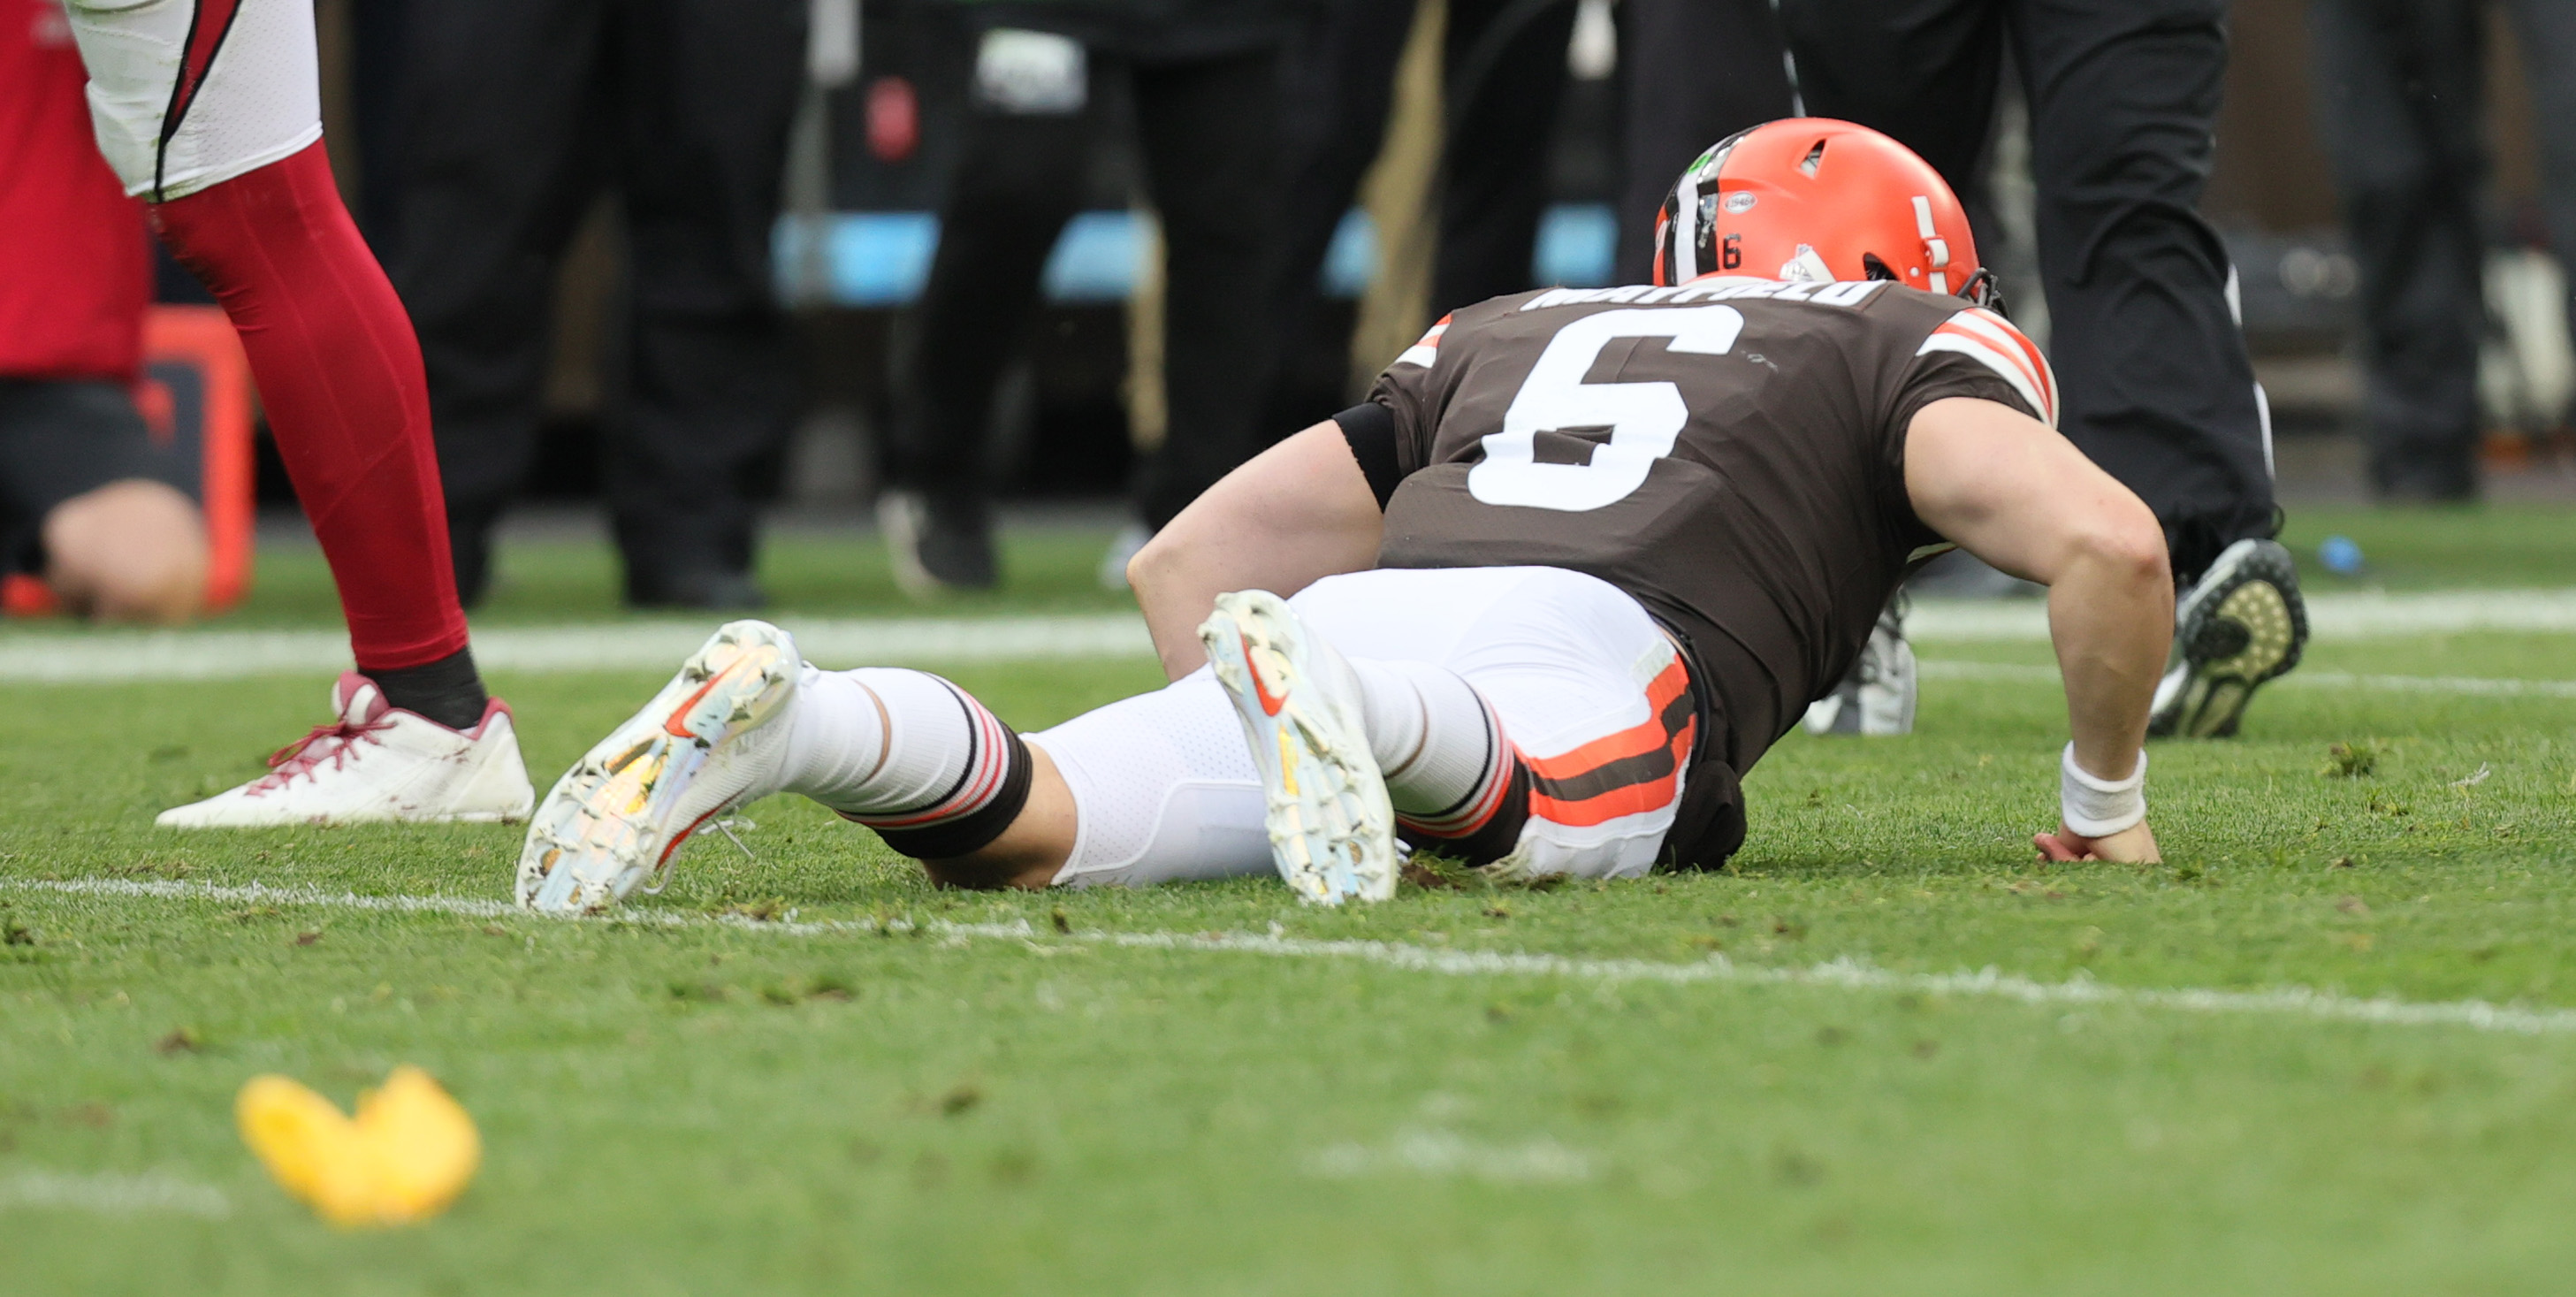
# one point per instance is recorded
(2329, 1047)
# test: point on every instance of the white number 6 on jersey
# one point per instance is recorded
(1643, 418)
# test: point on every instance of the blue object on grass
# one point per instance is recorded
(2340, 555)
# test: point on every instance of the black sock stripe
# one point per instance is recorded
(975, 830)
(1496, 837)
(974, 745)
(1478, 789)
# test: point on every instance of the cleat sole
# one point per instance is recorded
(1331, 829)
(2243, 626)
(607, 824)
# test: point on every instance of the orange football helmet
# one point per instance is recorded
(1818, 199)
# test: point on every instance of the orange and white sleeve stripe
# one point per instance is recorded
(1991, 340)
(1428, 350)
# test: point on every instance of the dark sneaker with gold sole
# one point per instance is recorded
(2242, 624)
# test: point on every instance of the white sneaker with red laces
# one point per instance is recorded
(377, 764)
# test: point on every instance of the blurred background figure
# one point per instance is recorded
(1503, 70)
(2124, 98)
(1503, 74)
(2401, 96)
(89, 499)
(1697, 72)
(515, 116)
(1202, 79)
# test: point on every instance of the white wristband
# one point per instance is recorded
(2095, 807)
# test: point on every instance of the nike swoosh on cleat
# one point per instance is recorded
(1270, 702)
(673, 727)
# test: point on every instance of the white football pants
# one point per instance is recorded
(1580, 675)
(190, 93)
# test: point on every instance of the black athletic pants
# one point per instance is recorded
(2400, 97)
(1341, 82)
(2123, 95)
(517, 114)
(1503, 86)
(1207, 129)
(1698, 71)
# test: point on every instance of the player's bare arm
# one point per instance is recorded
(1295, 514)
(2014, 492)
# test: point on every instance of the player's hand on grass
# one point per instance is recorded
(2135, 844)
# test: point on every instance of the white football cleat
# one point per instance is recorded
(1878, 696)
(703, 746)
(377, 764)
(2241, 624)
(1332, 833)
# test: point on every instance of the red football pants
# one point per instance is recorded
(339, 371)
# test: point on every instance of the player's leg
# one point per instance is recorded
(708, 91)
(1697, 72)
(133, 550)
(2400, 109)
(1151, 789)
(1507, 83)
(1453, 669)
(2548, 38)
(1529, 718)
(2124, 95)
(503, 146)
(1922, 71)
(211, 111)
(1208, 130)
(1591, 701)
(1527, 715)
(1016, 182)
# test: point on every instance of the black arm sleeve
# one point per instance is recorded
(1370, 429)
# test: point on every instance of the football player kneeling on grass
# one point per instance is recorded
(1580, 559)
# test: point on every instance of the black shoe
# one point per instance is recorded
(2241, 624)
(938, 544)
(697, 590)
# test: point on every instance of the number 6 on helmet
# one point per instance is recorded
(1814, 199)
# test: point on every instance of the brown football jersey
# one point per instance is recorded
(1730, 452)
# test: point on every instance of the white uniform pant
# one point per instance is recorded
(1164, 788)
(190, 93)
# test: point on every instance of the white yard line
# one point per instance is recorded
(2331, 616)
(1840, 974)
(112, 1195)
(1937, 669)
(55, 655)
(651, 645)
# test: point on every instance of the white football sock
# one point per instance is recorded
(1439, 746)
(885, 742)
